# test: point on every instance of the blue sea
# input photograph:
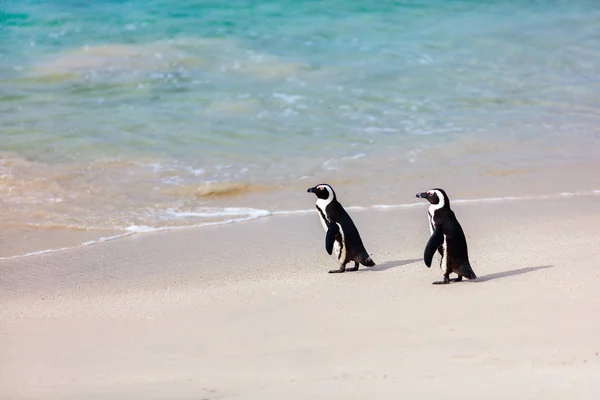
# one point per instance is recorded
(141, 115)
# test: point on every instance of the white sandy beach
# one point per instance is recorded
(248, 311)
(157, 240)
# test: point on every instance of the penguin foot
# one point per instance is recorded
(337, 271)
(459, 279)
(444, 282)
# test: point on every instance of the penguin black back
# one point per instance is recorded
(447, 236)
(342, 234)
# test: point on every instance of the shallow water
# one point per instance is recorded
(129, 116)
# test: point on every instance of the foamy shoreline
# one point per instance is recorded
(254, 214)
(94, 196)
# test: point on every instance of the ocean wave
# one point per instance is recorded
(292, 212)
(36, 253)
(104, 239)
(333, 164)
(108, 194)
(242, 214)
(206, 215)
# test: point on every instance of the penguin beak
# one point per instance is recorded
(310, 190)
(422, 195)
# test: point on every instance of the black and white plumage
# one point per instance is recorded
(447, 237)
(342, 235)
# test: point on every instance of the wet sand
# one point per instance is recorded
(46, 217)
(248, 310)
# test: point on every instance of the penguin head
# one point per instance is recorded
(436, 197)
(322, 191)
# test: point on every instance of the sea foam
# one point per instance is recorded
(248, 214)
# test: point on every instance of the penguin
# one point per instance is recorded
(341, 231)
(447, 237)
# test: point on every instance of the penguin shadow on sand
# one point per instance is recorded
(512, 272)
(391, 264)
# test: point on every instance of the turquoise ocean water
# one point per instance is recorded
(139, 114)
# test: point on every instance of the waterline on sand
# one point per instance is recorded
(256, 214)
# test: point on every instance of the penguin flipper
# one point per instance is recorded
(330, 236)
(434, 242)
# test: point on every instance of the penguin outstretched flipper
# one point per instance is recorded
(330, 236)
(434, 242)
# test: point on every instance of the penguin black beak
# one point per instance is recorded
(422, 195)
(310, 190)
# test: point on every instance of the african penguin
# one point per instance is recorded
(341, 231)
(447, 237)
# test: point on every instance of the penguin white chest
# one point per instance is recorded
(444, 260)
(321, 208)
(323, 219)
(338, 246)
(430, 220)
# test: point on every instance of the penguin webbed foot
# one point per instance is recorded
(340, 270)
(444, 282)
(448, 280)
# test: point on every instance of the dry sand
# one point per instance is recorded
(248, 311)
